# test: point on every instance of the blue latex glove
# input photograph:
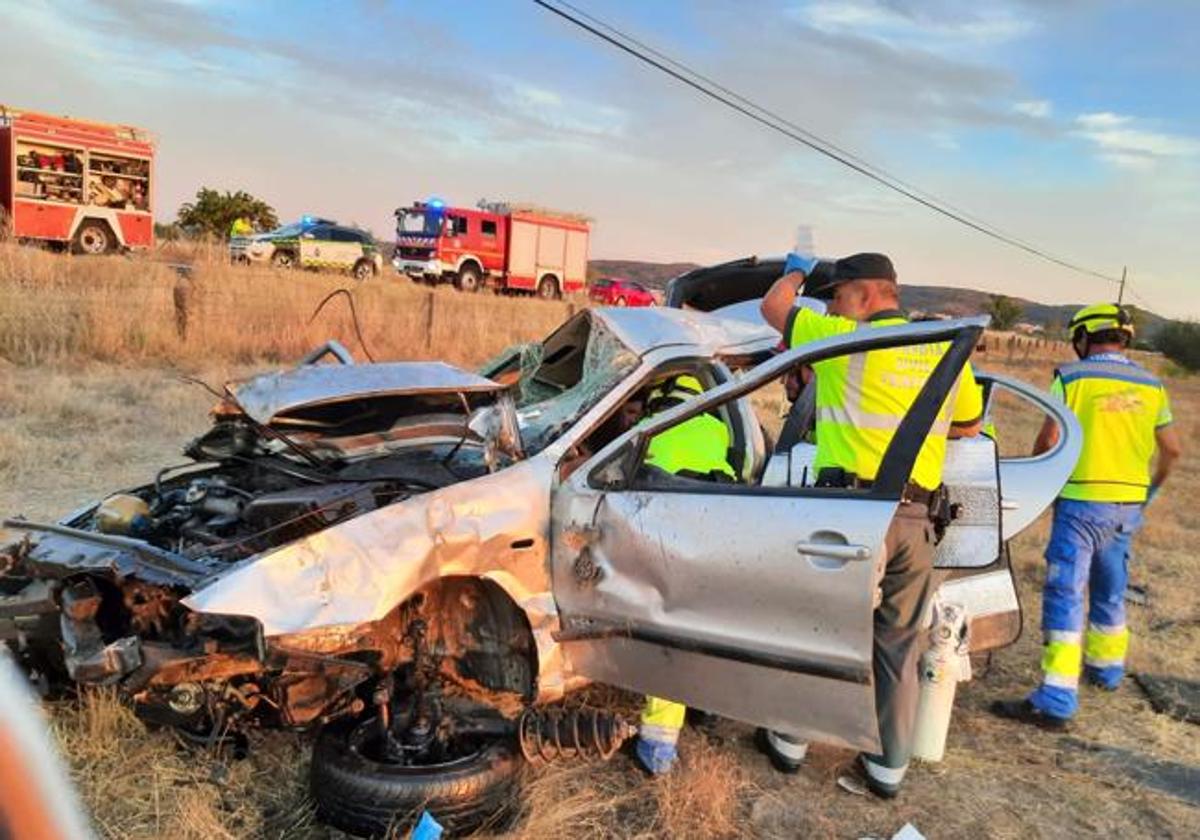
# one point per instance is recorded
(427, 828)
(799, 262)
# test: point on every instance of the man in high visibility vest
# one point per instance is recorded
(696, 448)
(1126, 415)
(861, 400)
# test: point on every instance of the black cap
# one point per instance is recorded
(864, 267)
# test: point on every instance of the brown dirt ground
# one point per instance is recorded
(68, 435)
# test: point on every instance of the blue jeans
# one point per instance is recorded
(1088, 552)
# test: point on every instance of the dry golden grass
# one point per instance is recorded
(58, 310)
(73, 428)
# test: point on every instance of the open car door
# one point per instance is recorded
(751, 601)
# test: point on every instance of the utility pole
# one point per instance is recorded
(1121, 293)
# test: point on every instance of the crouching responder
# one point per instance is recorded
(696, 448)
(861, 400)
(1125, 415)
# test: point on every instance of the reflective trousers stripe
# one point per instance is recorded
(887, 775)
(1061, 661)
(1106, 646)
(659, 734)
(787, 746)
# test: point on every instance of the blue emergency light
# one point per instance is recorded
(435, 204)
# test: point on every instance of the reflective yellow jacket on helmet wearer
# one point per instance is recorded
(1120, 405)
(699, 445)
(862, 398)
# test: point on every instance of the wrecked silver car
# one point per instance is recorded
(422, 560)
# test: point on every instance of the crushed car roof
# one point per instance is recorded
(643, 329)
(265, 397)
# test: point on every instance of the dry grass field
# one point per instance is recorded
(91, 399)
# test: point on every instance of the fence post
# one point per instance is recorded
(429, 322)
(181, 295)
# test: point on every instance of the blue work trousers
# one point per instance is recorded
(1088, 557)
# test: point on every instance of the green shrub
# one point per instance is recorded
(1179, 341)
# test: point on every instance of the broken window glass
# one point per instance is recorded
(561, 378)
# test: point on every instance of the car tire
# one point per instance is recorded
(365, 797)
(469, 279)
(363, 270)
(283, 259)
(94, 238)
(622, 302)
(548, 288)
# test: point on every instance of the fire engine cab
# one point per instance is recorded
(518, 249)
(75, 182)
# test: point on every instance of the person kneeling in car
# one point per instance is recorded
(697, 448)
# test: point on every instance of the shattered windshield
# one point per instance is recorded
(557, 381)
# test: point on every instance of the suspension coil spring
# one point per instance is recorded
(547, 735)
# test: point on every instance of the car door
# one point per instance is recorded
(314, 246)
(750, 601)
(1011, 490)
(345, 248)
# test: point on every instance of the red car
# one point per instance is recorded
(615, 291)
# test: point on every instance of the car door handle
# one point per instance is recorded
(835, 551)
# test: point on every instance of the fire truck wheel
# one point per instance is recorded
(469, 279)
(548, 288)
(94, 238)
(363, 270)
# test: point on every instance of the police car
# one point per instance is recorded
(311, 243)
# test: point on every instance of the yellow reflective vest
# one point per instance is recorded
(1120, 405)
(699, 445)
(862, 398)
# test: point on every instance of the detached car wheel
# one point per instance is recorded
(362, 789)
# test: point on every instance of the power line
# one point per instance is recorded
(773, 121)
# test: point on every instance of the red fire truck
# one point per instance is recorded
(513, 248)
(75, 183)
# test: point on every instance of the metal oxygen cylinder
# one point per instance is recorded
(942, 667)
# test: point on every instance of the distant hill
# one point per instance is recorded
(926, 299)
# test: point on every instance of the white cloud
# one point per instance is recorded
(1120, 141)
(554, 111)
(931, 26)
(1036, 108)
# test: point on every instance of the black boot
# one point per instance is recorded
(1025, 712)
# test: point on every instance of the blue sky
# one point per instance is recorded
(1074, 124)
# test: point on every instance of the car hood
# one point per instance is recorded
(275, 397)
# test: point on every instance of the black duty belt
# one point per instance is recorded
(835, 477)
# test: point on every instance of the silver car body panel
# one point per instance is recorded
(266, 397)
(495, 527)
(647, 328)
(1031, 484)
